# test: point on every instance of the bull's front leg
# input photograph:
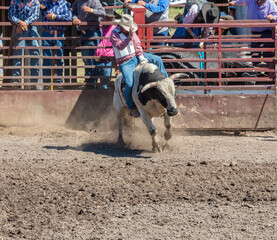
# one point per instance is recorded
(168, 132)
(152, 130)
(167, 124)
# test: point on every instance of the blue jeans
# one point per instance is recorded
(242, 14)
(31, 32)
(49, 53)
(89, 52)
(155, 59)
(105, 72)
(127, 70)
(164, 34)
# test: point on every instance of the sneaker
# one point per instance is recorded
(134, 113)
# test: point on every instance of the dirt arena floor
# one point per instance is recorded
(57, 183)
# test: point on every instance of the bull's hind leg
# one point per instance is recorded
(152, 130)
(120, 119)
(168, 132)
(120, 112)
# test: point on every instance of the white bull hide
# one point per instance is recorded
(154, 96)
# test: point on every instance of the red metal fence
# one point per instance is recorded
(214, 44)
(227, 83)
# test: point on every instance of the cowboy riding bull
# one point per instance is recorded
(154, 96)
(148, 91)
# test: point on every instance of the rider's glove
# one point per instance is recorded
(142, 60)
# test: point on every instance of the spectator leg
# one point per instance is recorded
(47, 62)
(60, 43)
(255, 54)
(106, 73)
(268, 34)
(163, 34)
(89, 52)
(96, 72)
(18, 52)
(34, 52)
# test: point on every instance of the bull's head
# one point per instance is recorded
(164, 94)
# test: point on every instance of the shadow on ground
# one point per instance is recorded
(231, 133)
(108, 149)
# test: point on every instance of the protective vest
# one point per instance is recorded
(152, 17)
(128, 50)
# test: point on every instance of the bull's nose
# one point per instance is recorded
(172, 111)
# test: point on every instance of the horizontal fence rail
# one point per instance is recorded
(223, 60)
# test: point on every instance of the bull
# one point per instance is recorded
(154, 96)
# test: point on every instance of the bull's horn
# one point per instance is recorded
(149, 85)
(179, 75)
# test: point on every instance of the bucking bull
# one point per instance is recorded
(154, 96)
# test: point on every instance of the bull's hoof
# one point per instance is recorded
(156, 148)
(167, 135)
(166, 147)
(120, 142)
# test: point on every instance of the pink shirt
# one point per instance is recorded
(106, 52)
(120, 44)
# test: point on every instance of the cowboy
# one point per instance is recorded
(156, 10)
(128, 53)
(22, 13)
(88, 11)
(54, 11)
(197, 12)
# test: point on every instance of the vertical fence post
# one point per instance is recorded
(149, 36)
(4, 28)
(139, 18)
(275, 65)
(205, 67)
(55, 60)
(22, 70)
(219, 55)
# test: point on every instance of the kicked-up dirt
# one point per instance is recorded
(57, 183)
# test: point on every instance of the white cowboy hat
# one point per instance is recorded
(127, 22)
